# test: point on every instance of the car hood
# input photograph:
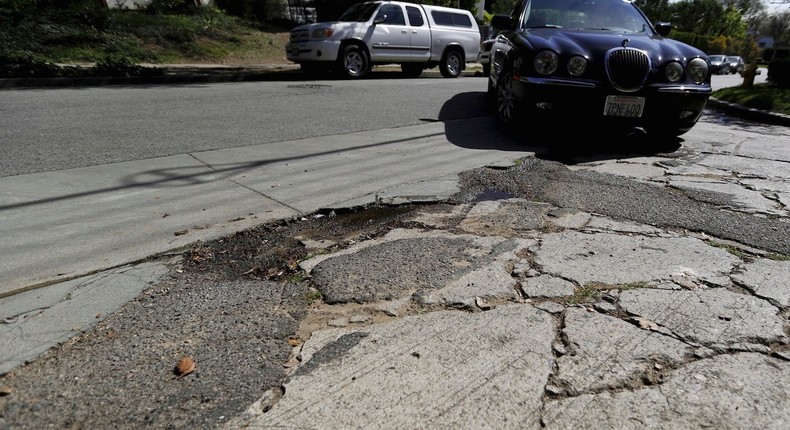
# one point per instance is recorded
(594, 44)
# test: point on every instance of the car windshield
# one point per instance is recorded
(359, 12)
(611, 15)
(717, 58)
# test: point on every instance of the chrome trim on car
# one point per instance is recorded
(627, 68)
(682, 89)
(557, 82)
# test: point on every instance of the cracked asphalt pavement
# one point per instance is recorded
(640, 291)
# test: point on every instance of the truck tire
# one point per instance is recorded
(314, 69)
(353, 62)
(452, 64)
(412, 70)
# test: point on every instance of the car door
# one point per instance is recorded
(420, 34)
(391, 37)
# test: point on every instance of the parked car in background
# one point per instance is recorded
(736, 64)
(415, 36)
(719, 64)
(599, 61)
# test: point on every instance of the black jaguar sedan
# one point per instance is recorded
(601, 61)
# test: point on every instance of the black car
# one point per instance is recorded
(601, 61)
(719, 64)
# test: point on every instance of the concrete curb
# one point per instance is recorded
(749, 113)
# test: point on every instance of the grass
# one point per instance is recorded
(760, 96)
(90, 35)
(591, 291)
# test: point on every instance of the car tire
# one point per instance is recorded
(353, 62)
(491, 101)
(452, 64)
(486, 69)
(508, 107)
(412, 70)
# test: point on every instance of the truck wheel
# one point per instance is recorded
(452, 64)
(411, 70)
(314, 69)
(354, 62)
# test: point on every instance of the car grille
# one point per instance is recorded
(299, 36)
(627, 68)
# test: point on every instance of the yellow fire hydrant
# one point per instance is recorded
(748, 73)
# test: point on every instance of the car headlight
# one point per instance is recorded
(697, 70)
(546, 62)
(577, 65)
(673, 71)
(321, 33)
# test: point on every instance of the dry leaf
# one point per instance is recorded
(646, 323)
(185, 366)
(6, 390)
(294, 341)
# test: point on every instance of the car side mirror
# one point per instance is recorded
(502, 22)
(663, 28)
(380, 19)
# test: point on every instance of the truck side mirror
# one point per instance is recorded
(381, 19)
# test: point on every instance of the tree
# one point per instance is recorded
(778, 27)
(656, 10)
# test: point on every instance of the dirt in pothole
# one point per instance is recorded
(273, 251)
(236, 309)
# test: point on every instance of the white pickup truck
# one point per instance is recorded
(387, 32)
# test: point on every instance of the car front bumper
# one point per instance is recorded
(674, 105)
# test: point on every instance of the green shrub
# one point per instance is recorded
(22, 64)
(779, 72)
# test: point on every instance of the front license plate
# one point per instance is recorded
(624, 106)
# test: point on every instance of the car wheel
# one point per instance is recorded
(486, 69)
(491, 99)
(411, 70)
(354, 62)
(452, 64)
(508, 105)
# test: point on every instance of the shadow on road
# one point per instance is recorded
(567, 140)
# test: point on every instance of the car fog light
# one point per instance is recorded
(686, 114)
(577, 65)
(546, 62)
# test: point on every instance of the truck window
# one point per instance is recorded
(358, 13)
(451, 19)
(415, 16)
(392, 14)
